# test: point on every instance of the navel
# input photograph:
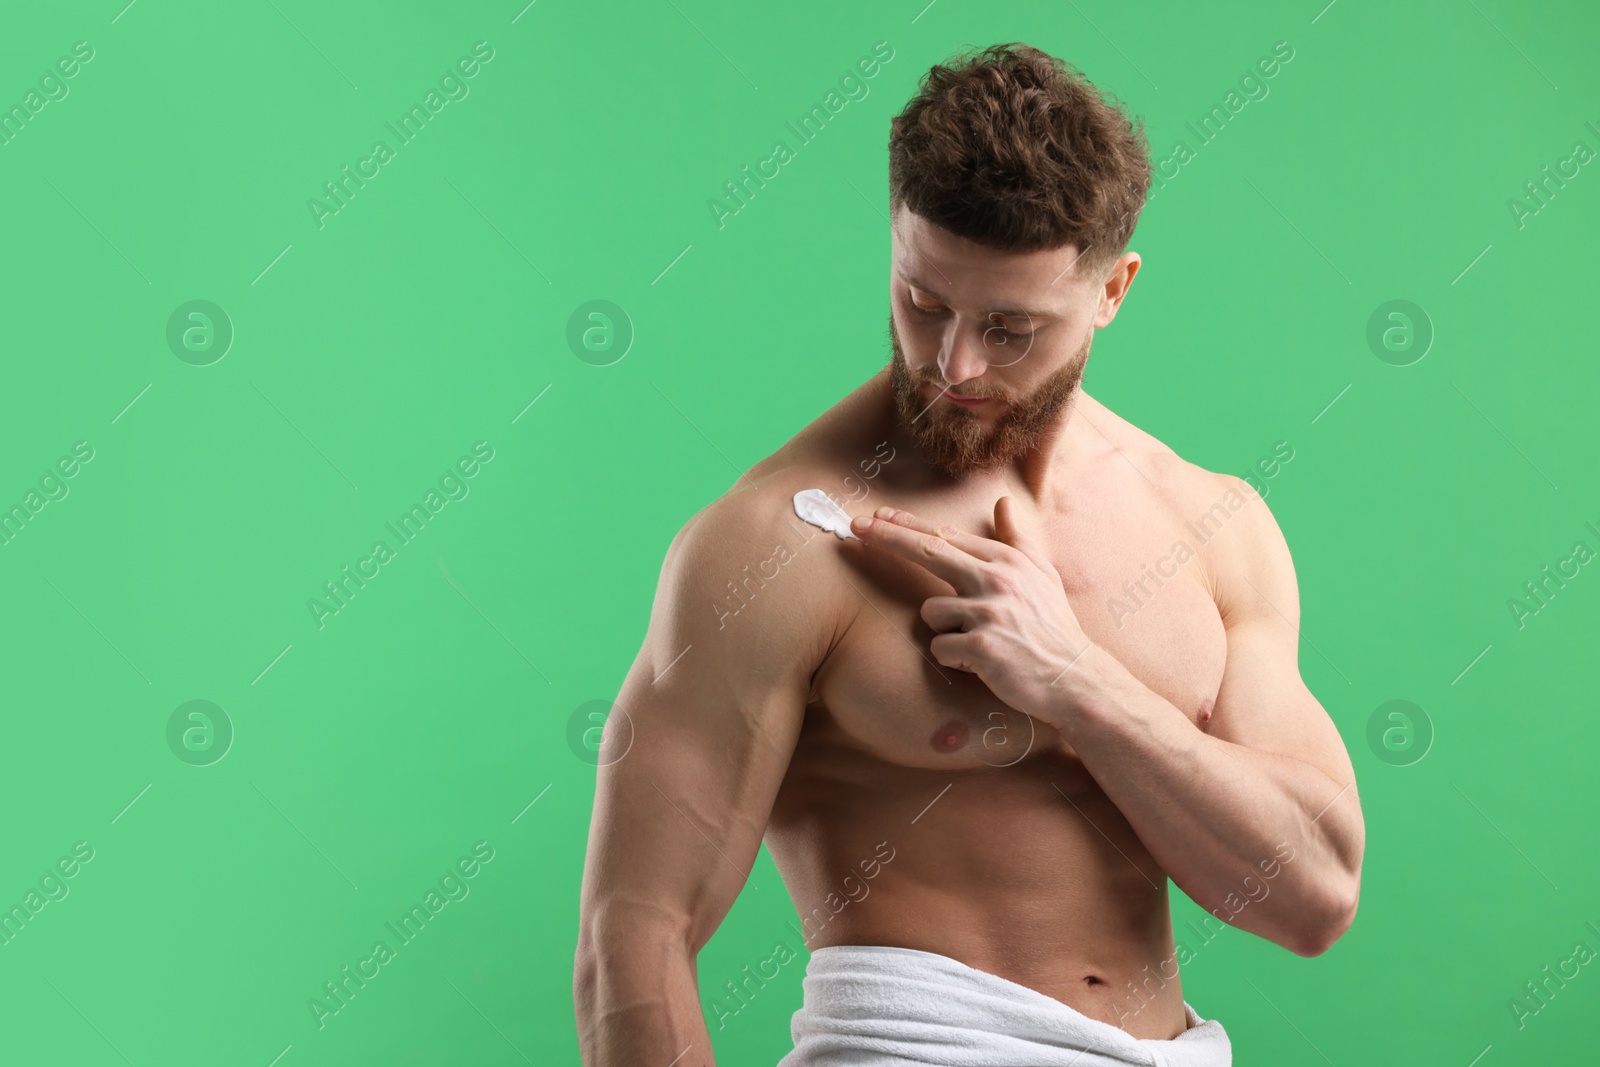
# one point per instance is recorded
(949, 737)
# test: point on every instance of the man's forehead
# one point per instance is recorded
(932, 257)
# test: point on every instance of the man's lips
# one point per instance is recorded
(940, 392)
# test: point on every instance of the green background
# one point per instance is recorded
(434, 710)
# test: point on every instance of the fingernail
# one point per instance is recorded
(861, 524)
(885, 512)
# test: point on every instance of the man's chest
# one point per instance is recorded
(1135, 578)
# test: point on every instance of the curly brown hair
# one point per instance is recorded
(1016, 150)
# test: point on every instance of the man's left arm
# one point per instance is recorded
(1256, 816)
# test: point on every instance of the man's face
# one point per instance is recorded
(967, 321)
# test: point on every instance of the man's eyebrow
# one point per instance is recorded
(1009, 310)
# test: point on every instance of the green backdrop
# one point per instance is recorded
(183, 481)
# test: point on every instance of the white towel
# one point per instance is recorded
(881, 1006)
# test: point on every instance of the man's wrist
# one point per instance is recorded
(1083, 693)
(1099, 701)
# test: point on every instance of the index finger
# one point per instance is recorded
(935, 554)
(985, 548)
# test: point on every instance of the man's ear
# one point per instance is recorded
(1115, 288)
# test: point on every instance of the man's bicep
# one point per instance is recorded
(1263, 702)
(704, 726)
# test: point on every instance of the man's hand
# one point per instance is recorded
(1009, 622)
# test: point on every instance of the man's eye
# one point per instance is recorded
(1019, 335)
(936, 310)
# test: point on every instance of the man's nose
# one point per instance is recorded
(961, 355)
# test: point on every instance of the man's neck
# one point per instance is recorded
(1047, 465)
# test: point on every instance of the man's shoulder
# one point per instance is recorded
(1240, 527)
(750, 544)
(1241, 536)
(758, 507)
(836, 453)
(1247, 563)
(1185, 486)
(750, 583)
(1145, 461)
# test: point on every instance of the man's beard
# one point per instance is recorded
(956, 440)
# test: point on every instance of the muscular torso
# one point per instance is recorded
(918, 810)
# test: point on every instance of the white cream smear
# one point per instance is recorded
(815, 507)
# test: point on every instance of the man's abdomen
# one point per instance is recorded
(1026, 871)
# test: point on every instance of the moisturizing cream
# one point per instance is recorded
(815, 507)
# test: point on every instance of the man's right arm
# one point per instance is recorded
(715, 702)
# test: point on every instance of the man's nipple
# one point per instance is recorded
(949, 737)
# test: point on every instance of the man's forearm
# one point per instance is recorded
(1215, 814)
(639, 1006)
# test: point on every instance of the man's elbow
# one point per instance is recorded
(585, 971)
(1330, 924)
(608, 975)
(636, 949)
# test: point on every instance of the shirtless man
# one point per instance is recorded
(1062, 670)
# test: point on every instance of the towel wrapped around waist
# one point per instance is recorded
(882, 1006)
